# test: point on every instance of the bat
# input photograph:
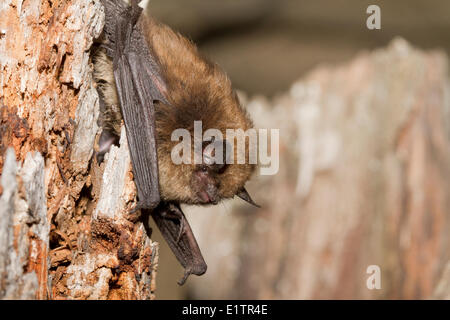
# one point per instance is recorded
(155, 81)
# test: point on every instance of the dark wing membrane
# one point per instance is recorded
(171, 221)
(139, 83)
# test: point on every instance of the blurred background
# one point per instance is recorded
(265, 45)
(364, 150)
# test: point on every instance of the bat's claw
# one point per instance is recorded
(199, 269)
(186, 275)
(136, 208)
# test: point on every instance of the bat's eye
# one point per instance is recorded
(204, 168)
(220, 168)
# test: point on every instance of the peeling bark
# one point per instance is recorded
(67, 231)
(24, 229)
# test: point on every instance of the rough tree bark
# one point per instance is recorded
(364, 180)
(64, 228)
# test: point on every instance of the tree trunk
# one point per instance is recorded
(65, 230)
(364, 180)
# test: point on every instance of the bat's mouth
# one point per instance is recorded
(206, 198)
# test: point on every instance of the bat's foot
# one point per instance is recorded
(186, 275)
(199, 270)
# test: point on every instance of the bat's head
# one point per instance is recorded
(214, 176)
(202, 184)
(219, 176)
(197, 90)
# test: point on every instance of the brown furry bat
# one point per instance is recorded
(156, 81)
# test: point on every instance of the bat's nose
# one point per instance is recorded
(211, 190)
(208, 197)
(204, 196)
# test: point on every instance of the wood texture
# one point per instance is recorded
(67, 231)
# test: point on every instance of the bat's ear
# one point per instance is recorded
(243, 194)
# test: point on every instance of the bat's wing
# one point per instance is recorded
(139, 84)
(179, 236)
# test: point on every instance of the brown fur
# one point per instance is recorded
(110, 116)
(197, 90)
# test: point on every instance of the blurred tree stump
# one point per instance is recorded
(64, 228)
(364, 180)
